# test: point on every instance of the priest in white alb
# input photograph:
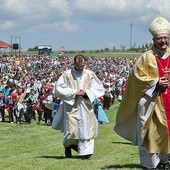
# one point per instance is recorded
(78, 87)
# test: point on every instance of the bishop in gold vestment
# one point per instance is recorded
(144, 113)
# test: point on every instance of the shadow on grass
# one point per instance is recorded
(124, 143)
(130, 166)
(56, 157)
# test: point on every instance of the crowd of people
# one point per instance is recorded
(26, 83)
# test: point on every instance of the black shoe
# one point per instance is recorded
(85, 157)
(163, 166)
(145, 168)
(67, 152)
(74, 147)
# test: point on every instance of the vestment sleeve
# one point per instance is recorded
(96, 89)
(63, 91)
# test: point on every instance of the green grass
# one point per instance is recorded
(38, 147)
(88, 54)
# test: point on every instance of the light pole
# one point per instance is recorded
(11, 43)
(19, 45)
(16, 37)
(131, 25)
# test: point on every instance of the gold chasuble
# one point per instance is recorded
(155, 112)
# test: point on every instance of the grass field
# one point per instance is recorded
(87, 54)
(38, 147)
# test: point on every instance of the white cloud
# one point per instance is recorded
(122, 8)
(33, 11)
(37, 12)
(5, 25)
(31, 7)
(64, 26)
(93, 20)
(67, 26)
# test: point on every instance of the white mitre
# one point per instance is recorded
(159, 26)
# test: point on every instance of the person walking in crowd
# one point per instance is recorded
(143, 115)
(40, 105)
(99, 112)
(48, 107)
(78, 87)
(21, 107)
(107, 96)
(34, 85)
(3, 102)
(30, 100)
(9, 107)
(113, 94)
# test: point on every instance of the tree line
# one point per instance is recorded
(122, 48)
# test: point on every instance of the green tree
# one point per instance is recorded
(33, 49)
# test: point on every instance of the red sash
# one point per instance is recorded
(164, 68)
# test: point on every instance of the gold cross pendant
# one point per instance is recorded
(166, 71)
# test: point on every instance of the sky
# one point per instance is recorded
(79, 24)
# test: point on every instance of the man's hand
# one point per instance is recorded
(163, 84)
(80, 92)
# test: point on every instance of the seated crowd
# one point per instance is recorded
(26, 84)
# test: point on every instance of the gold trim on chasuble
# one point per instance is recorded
(72, 110)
